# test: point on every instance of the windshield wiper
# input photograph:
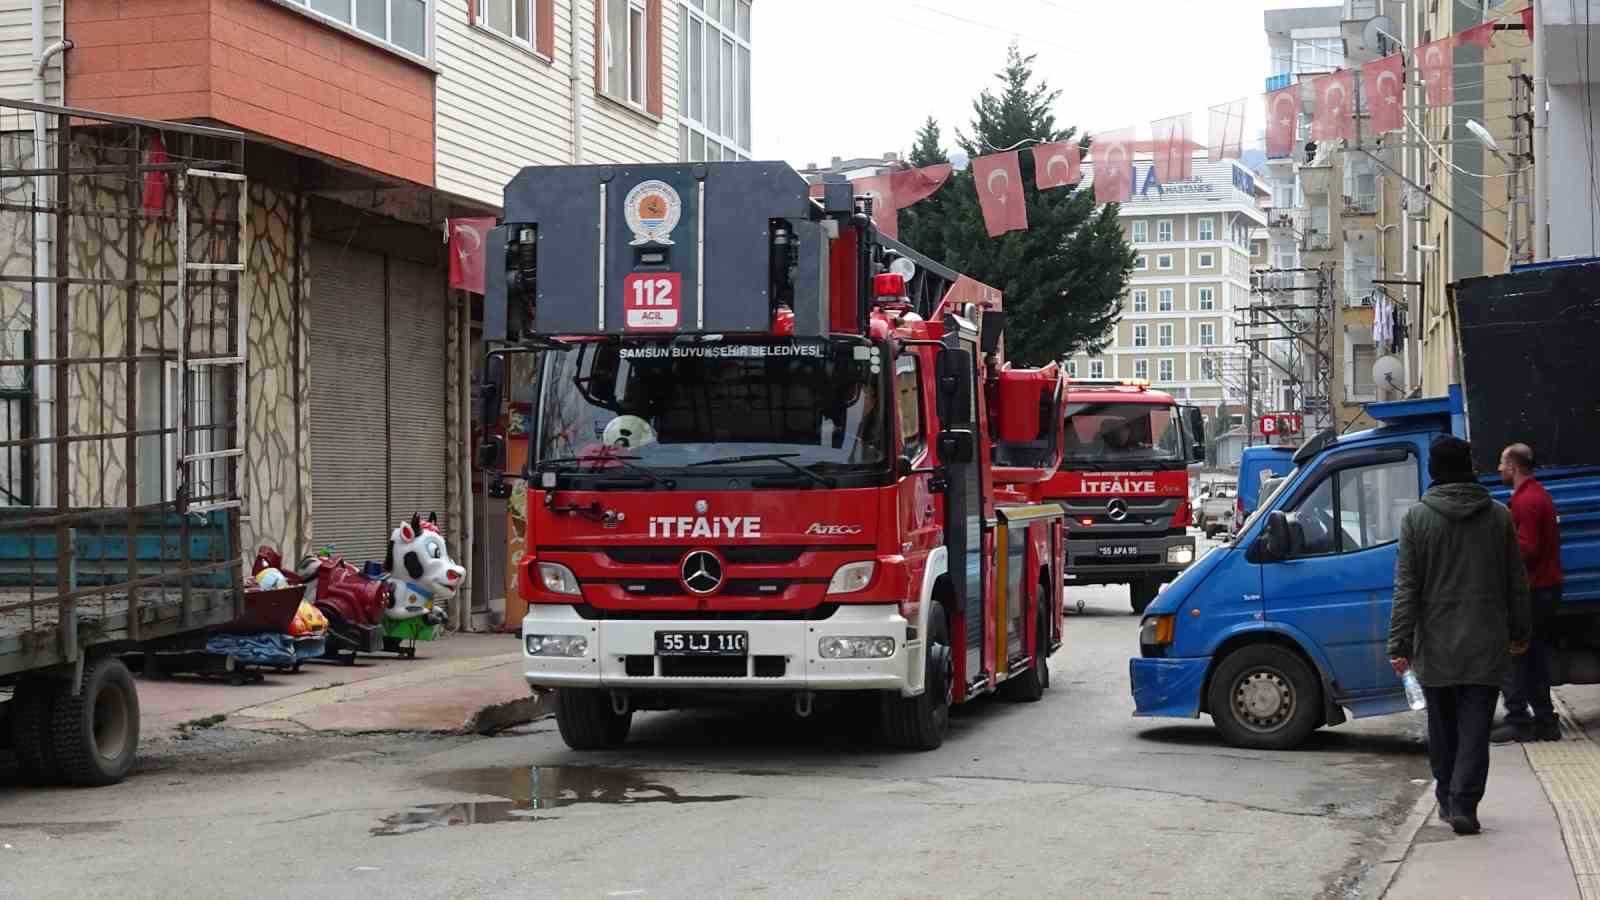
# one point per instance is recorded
(627, 462)
(780, 458)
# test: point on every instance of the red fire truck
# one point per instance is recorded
(1124, 484)
(773, 451)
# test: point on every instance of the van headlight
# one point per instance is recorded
(852, 577)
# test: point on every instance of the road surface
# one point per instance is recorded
(1067, 797)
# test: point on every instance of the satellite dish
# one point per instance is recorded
(1378, 33)
(1387, 372)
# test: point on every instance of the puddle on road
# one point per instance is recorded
(530, 789)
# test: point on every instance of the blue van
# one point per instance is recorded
(1256, 465)
(1285, 629)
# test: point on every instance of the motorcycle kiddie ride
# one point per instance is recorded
(389, 607)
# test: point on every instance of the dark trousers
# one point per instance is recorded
(1458, 742)
(1527, 689)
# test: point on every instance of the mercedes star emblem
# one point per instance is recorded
(701, 572)
(1117, 510)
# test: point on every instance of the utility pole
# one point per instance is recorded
(1519, 233)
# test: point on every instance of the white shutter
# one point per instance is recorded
(418, 332)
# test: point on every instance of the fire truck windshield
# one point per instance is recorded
(675, 403)
(1120, 434)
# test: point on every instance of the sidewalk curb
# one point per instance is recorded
(509, 714)
(1396, 851)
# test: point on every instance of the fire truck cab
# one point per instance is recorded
(1124, 484)
(766, 455)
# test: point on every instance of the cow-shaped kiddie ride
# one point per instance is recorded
(385, 607)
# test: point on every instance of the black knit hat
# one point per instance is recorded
(1450, 461)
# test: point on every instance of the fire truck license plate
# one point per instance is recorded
(701, 643)
(1119, 551)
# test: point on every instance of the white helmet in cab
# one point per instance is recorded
(630, 432)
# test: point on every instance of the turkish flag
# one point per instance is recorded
(155, 182)
(1527, 21)
(1057, 165)
(1112, 153)
(1384, 81)
(1227, 131)
(1174, 154)
(1283, 120)
(999, 181)
(894, 191)
(469, 239)
(1482, 35)
(1436, 62)
(1335, 115)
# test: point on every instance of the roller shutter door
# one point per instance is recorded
(418, 335)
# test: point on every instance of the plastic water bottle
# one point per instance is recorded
(1414, 695)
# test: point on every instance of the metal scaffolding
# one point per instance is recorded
(1289, 328)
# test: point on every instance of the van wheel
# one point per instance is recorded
(1143, 593)
(96, 734)
(588, 722)
(1265, 697)
(919, 723)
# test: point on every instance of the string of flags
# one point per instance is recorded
(1336, 98)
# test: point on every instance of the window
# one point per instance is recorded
(1141, 369)
(1318, 55)
(1164, 261)
(908, 394)
(402, 24)
(1097, 368)
(1164, 300)
(1141, 301)
(158, 409)
(1208, 260)
(511, 18)
(1208, 369)
(1072, 368)
(1208, 229)
(714, 78)
(1141, 263)
(1208, 334)
(1164, 336)
(1164, 231)
(1355, 508)
(624, 50)
(1164, 370)
(1141, 335)
(1208, 298)
(1141, 232)
(1361, 384)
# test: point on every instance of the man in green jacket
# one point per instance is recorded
(1460, 612)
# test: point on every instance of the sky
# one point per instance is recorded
(856, 78)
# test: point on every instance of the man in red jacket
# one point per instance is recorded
(1540, 542)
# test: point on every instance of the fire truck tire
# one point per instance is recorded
(32, 707)
(1143, 593)
(96, 734)
(919, 723)
(1265, 697)
(588, 722)
(1029, 687)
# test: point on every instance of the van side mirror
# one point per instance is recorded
(1275, 539)
(957, 447)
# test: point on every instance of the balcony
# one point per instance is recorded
(1316, 241)
(1361, 205)
(1287, 221)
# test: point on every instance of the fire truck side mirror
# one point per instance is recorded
(491, 450)
(953, 370)
(957, 447)
(494, 378)
(1195, 427)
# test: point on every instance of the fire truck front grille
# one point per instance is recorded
(736, 587)
(642, 666)
(1143, 559)
(760, 555)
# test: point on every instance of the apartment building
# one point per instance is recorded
(365, 125)
(1190, 283)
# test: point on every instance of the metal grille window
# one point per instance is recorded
(402, 24)
(714, 80)
(16, 420)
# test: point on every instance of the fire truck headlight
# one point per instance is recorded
(558, 579)
(557, 645)
(1180, 556)
(856, 647)
(852, 577)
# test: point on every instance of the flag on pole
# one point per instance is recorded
(154, 195)
(1384, 81)
(894, 191)
(1527, 21)
(1112, 153)
(1335, 115)
(1057, 165)
(999, 180)
(1227, 131)
(1436, 62)
(1173, 151)
(1283, 119)
(1482, 35)
(469, 239)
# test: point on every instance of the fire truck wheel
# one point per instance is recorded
(96, 734)
(919, 723)
(1029, 687)
(1265, 697)
(1143, 594)
(588, 722)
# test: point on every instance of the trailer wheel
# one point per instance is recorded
(1143, 593)
(1265, 697)
(588, 721)
(96, 734)
(32, 707)
(1030, 686)
(919, 723)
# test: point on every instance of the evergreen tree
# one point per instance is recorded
(928, 149)
(1063, 279)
